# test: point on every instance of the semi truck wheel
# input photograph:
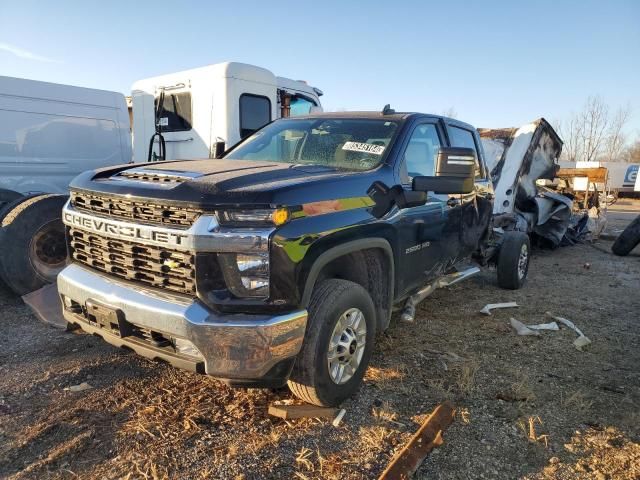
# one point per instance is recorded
(337, 345)
(628, 239)
(513, 260)
(32, 243)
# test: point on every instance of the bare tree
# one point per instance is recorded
(593, 134)
(594, 121)
(616, 139)
(571, 132)
(632, 152)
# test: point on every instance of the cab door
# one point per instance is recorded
(475, 207)
(428, 234)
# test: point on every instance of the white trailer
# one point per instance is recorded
(49, 133)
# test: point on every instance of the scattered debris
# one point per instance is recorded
(290, 412)
(79, 388)
(522, 329)
(429, 435)
(45, 304)
(486, 310)
(338, 419)
(582, 340)
(544, 326)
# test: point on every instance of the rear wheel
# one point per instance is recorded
(337, 346)
(513, 260)
(628, 239)
(32, 243)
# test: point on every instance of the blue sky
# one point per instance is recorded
(495, 63)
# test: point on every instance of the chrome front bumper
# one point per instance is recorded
(230, 346)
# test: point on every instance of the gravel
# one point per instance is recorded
(527, 407)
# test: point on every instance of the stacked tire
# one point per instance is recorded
(32, 242)
(628, 239)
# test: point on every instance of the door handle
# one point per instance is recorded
(452, 202)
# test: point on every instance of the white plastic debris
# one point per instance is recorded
(491, 306)
(79, 388)
(544, 326)
(582, 340)
(338, 419)
(521, 328)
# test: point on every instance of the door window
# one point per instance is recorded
(255, 113)
(421, 152)
(464, 138)
(175, 112)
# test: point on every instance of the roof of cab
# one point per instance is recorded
(396, 116)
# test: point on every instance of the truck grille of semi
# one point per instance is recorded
(146, 264)
(141, 212)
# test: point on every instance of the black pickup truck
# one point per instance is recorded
(283, 259)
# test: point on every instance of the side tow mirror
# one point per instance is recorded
(455, 172)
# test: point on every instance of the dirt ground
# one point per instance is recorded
(527, 407)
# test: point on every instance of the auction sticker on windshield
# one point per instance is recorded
(363, 147)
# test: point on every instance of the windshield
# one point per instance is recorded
(346, 144)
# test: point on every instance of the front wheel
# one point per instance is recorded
(513, 260)
(337, 346)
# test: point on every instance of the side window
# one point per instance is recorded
(464, 138)
(422, 150)
(175, 112)
(301, 106)
(255, 113)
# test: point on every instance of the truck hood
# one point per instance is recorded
(232, 182)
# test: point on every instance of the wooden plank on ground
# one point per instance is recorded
(405, 463)
(289, 412)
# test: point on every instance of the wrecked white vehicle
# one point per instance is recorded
(524, 165)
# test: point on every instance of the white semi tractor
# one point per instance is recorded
(50, 133)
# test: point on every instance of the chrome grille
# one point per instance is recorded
(140, 211)
(150, 265)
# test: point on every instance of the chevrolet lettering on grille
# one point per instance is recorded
(124, 231)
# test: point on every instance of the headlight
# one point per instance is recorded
(257, 217)
(246, 275)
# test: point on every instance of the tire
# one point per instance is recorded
(8, 196)
(513, 260)
(311, 379)
(32, 243)
(628, 239)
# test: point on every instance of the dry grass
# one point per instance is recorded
(385, 414)
(464, 415)
(576, 401)
(375, 437)
(465, 378)
(528, 427)
(385, 378)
